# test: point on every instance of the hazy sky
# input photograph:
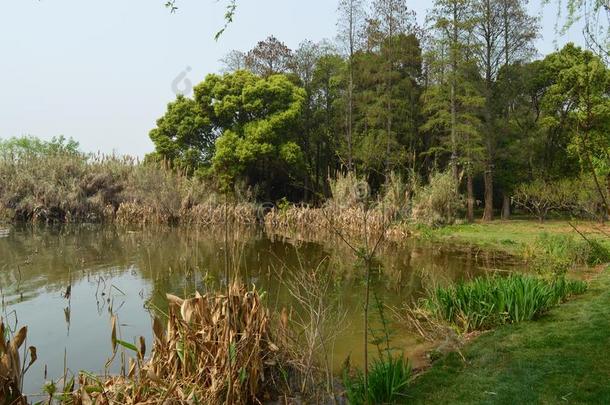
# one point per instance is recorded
(102, 71)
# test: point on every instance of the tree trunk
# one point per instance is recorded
(454, 39)
(488, 213)
(470, 197)
(505, 206)
(608, 191)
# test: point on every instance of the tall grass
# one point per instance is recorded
(388, 382)
(439, 202)
(557, 253)
(487, 302)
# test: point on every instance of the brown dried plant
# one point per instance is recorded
(11, 367)
(196, 353)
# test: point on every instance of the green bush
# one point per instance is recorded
(487, 302)
(556, 253)
(553, 253)
(598, 254)
(388, 382)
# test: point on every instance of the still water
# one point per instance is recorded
(64, 283)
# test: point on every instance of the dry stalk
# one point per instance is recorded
(197, 352)
(12, 369)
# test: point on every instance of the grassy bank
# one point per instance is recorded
(514, 235)
(561, 358)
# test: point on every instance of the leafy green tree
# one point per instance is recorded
(351, 19)
(257, 118)
(184, 137)
(502, 35)
(579, 98)
(387, 109)
(319, 70)
(31, 146)
(238, 127)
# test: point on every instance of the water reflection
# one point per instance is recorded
(65, 282)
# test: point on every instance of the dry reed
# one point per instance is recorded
(190, 357)
(11, 367)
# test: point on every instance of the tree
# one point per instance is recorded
(394, 21)
(269, 57)
(328, 84)
(238, 127)
(387, 106)
(453, 98)
(233, 61)
(257, 118)
(579, 95)
(452, 21)
(499, 41)
(184, 136)
(350, 22)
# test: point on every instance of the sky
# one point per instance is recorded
(102, 72)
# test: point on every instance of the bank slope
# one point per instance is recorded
(563, 357)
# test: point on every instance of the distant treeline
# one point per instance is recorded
(463, 94)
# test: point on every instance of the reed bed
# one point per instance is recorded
(213, 349)
(484, 303)
(64, 187)
(351, 220)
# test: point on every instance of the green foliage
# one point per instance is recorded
(540, 197)
(240, 126)
(386, 101)
(28, 146)
(555, 253)
(389, 373)
(598, 254)
(184, 135)
(484, 303)
(557, 359)
(577, 197)
(388, 382)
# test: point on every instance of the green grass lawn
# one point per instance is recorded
(562, 358)
(513, 235)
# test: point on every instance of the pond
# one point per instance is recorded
(64, 283)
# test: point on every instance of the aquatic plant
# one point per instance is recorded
(209, 342)
(487, 302)
(388, 382)
(11, 367)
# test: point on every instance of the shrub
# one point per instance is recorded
(540, 197)
(439, 202)
(558, 253)
(599, 254)
(575, 196)
(487, 302)
(388, 382)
